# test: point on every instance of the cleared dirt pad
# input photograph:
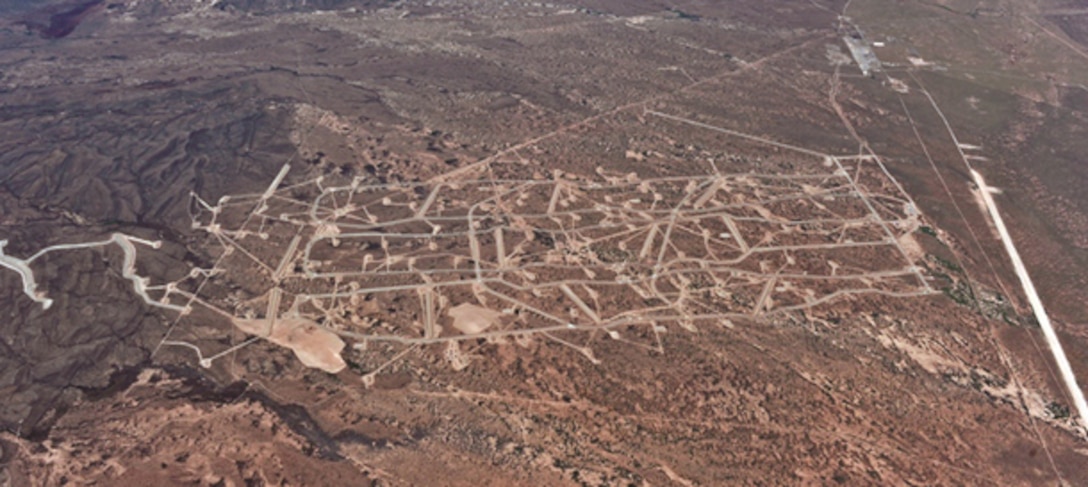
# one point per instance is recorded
(469, 318)
(313, 345)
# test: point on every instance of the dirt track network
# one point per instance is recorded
(516, 250)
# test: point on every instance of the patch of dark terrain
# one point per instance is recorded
(301, 422)
(1074, 26)
(81, 169)
(217, 140)
(194, 386)
(794, 13)
(360, 438)
(197, 387)
(13, 9)
(56, 353)
(58, 21)
(48, 413)
(268, 7)
(43, 417)
(120, 380)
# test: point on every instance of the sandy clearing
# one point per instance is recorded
(470, 318)
(314, 346)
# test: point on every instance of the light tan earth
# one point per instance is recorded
(314, 346)
(469, 318)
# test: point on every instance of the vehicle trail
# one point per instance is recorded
(1054, 343)
(1006, 361)
(640, 103)
(1041, 315)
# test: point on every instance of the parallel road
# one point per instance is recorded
(1036, 304)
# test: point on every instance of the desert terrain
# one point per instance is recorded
(586, 242)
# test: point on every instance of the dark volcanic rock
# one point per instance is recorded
(76, 170)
